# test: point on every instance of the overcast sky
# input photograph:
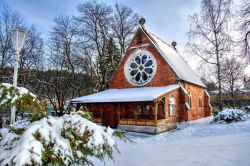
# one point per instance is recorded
(166, 18)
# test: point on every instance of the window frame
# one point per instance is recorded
(132, 78)
(172, 106)
(190, 100)
(200, 104)
(144, 110)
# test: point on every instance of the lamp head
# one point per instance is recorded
(17, 37)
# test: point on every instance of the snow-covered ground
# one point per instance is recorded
(197, 143)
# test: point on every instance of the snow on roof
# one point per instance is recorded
(126, 95)
(175, 60)
(239, 91)
(187, 106)
(207, 93)
(244, 90)
(183, 89)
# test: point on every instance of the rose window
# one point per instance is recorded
(140, 68)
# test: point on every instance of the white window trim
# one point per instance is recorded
(172, 106)
(190, 99)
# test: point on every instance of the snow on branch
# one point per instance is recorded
(65, 140)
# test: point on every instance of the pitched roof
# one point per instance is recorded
(174, 59)
(126, 95)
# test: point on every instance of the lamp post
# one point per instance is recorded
(17, 37)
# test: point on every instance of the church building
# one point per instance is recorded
(152, 89)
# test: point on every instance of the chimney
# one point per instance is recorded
(174, 44)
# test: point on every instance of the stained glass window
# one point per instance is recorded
(140, 68)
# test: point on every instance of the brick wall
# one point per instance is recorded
(164, 74)
(196, 112)
(177, 96)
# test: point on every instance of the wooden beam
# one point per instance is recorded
(156, 111)
(119, 112)
(101, 111)
(135, 107)
(165, 108)
(163, 95)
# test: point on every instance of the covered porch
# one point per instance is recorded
(134, 109)
(146, 117)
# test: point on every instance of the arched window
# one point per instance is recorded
(172, 106)
(190, 99)
(200, 101)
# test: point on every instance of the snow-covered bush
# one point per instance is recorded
(230, 115)
(10, 95)
(84, 114)
(21, 98)
(65, 140)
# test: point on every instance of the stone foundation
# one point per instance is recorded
(146, 129)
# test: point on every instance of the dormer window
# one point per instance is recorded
(139, 38)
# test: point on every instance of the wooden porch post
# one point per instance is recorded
(78, 107)
(156, 111)
(135, 112)
(101, 112)
(87, 107)
(166, 108)
(119, 112)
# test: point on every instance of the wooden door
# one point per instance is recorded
(109, 116)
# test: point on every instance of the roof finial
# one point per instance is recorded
(142, 21)
(174, 44)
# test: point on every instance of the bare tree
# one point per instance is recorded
(66, 77)
(210, 35)
(32, 55)
(65, 44)
(95, 23)
(8, 20)
(107, 31)
(123, 25)
(58, 89)
(245, 27)
(232, 76)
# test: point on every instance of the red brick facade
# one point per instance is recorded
(109, 114)
(164, 74)
(197, 112)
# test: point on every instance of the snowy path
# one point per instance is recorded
(197, 143)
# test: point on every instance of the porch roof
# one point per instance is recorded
(126, 95)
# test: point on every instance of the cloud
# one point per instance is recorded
(168, 19)
(41, 13)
